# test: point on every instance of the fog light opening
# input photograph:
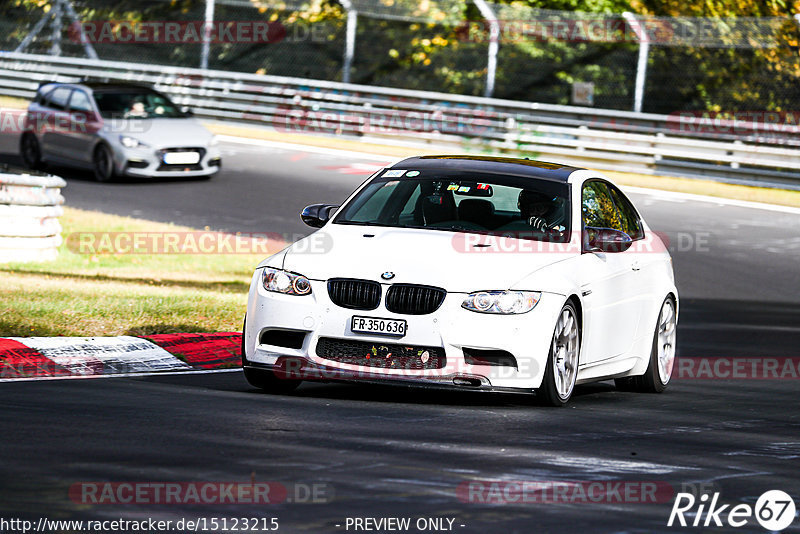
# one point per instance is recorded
(466, 381)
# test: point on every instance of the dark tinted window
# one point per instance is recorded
(631, 223)
(136, 104)
(57, 98)
(460, 201)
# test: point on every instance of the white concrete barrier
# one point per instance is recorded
(30, 205)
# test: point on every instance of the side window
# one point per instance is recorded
(80, 102)
(631, 223)
(598, 208)
(57, 99)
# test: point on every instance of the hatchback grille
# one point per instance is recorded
(413, 299)
(180, 166)
(354, 294)
(383, 355)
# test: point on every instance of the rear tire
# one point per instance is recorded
(264, 378)
(103, 164)
(30, 151)
(662, 355)
(562, 361)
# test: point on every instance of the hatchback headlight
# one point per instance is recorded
(131, 142)
(281, 281)
(502, 302)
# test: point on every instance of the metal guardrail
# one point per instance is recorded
(758, 153)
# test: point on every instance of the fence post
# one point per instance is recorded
(207, 27)
(350, 39)
(55, 47)
(76, 22)
(641, 64)
(494, 44)
(56, 13)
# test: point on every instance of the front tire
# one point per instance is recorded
(264, 378)
(562, 361)
(103, 164)
(31, 152)
(268, 381)
(662, 355)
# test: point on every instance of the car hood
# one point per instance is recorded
(438, 258)
(162, 133)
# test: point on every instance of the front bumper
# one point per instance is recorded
(527, 337)
(149, 162)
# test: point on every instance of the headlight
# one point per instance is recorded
(502, 302)
(131, 142)
(281, 281)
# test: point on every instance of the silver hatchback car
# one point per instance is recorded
(116, 130)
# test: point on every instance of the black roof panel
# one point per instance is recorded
(493, 164)
(113, 86)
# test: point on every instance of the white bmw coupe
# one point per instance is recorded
(468, 272)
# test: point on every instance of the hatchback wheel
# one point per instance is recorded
(31, 153)
(103, 164)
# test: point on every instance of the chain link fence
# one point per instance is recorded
(547, 56)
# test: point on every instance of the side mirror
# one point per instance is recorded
(316, 215)
(605, 240)
(186, 110)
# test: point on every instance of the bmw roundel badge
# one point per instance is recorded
(387, 275)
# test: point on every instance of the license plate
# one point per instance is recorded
(381, 327)
(181, 158)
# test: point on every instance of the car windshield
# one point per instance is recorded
(136, 105)
(526, 208)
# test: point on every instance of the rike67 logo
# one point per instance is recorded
(774, 510)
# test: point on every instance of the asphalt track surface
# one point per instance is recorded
(395, 452)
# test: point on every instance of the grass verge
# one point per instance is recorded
(13, 102)
(124, 294)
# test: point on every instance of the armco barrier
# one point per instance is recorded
(747, 151)
(29, 209)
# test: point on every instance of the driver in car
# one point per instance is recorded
(535, 207)
(137, 110)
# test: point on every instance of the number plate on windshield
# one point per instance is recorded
(381, 327)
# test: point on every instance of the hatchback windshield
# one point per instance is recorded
(526, 208)
(136, 105)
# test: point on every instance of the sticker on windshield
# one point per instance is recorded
(411, 174)
(463, 189)
(452, 187)
(394, 173)
(483, 186)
